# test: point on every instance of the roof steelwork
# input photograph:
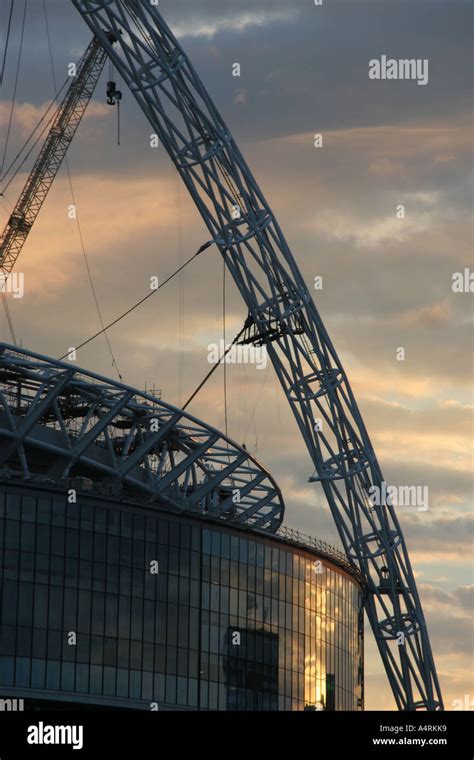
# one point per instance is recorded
(59, 421)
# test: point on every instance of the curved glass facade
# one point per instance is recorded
(115, 604)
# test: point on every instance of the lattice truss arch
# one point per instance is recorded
(284, 318)
(61, 422)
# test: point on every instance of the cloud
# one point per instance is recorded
(106, 218)
(223, 20)
(430, 316)
(26, 115)
(454, 404)
(240, 97)
(465, 596)
(447, 537)
(369, 233)
(450, 619)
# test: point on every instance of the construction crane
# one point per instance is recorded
(284, 318)
(63, 128)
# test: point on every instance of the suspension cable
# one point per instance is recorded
(12, 2)
(78, 223)
(7, 139)
(9, 317)
(216, 365)
(38, 124)
(224, 267)
(89, 276)
(7, 206)
(252, 416)
(48, 123)
(181, 288)
(142, 300)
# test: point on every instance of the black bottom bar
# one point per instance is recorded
(378, 734)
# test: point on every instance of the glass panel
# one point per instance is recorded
(240, 624)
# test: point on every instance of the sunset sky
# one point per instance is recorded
(387, 282)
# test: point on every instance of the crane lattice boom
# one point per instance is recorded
(63, 128)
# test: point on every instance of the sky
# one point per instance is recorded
(387, 281)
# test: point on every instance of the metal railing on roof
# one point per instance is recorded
(322, 547)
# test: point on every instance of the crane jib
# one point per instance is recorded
(283, 316)
(64, 125)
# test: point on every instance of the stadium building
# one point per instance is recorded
(143, 563)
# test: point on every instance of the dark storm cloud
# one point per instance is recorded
(322, 63)
(310, 73)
